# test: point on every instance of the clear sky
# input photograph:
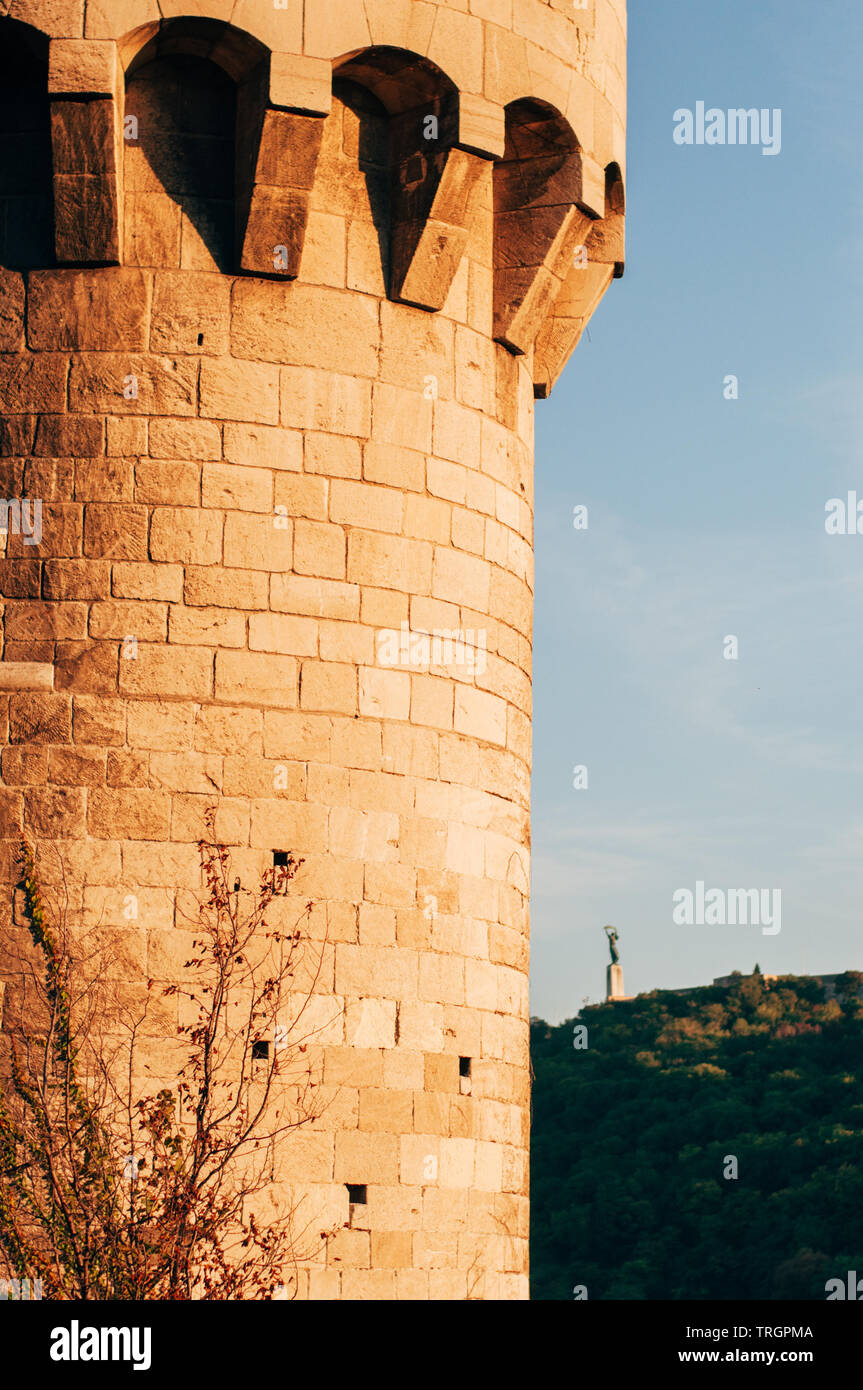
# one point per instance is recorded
(707, 519)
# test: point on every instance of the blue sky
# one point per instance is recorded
(707, 519)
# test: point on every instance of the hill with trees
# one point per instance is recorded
(636, 1121)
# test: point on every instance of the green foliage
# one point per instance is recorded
(630, 1138)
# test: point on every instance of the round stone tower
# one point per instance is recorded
(280, 283)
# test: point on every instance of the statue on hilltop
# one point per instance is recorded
(613, 972)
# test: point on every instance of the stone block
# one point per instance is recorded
(99, 721)
(403, 417)
(214, 627)
(319, 598)
(256, 678)
(274, 632)
(117, 618)
(103, 480)
(146, 581)
(385, 1111)
(280, 30)
(384, 694)
(168, 481)
(333, 456)
(125, 438)
(366, 1158)
(56, 813)
(365, 271)
(233, 487)
(291, 826)
(40, 718)
(427, 254)
(302, 496)
(133, 383)
(370, 1023)
(324, 250)
(234, 390)
(79, 68)
(306, 324)
(178, 672)
(125, 769)
(25, 766)
(337, 28)
(86, 190)
(319, 549)
(21, 579)
(299, 83)
(374, 557)
(152, 223)
(278, 208)
(184, 439)
(62, 529)
(220, 727)
(191, 314)
(81, 436)
(263, 446)
(160, 726)
(258, 542)
(186, 535)
(115, 532)
(214, 586)
(33, 383)
(327, 401)
(11, 311)
(133, 815)
(29, 622)
(86, 666)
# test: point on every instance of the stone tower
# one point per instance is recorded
(280, 283)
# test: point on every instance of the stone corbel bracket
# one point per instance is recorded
(85, 87)
(280, 123)
(441, 142)
(590, 270)
(432, 216)
(547, 194)
(427, 250)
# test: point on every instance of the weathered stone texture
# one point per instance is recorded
(285, 561)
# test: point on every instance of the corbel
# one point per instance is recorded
(85, 88)
(589, 273)
(280, 123)
(433, 194)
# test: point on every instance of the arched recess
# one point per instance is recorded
(539, 218)
(26, 202)
(193, 92)
(403, 134)
(353, 185)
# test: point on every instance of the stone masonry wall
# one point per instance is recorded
(246, 479)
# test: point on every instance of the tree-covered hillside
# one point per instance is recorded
(632, 1136)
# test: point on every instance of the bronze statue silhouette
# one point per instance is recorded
(612, 944)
